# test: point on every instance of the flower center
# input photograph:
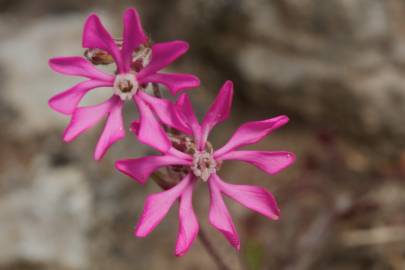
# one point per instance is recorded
(203, 165)
(125, 86)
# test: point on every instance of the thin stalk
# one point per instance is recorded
(212, 251)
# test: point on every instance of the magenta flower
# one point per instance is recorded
(202, 163)
(137, 65)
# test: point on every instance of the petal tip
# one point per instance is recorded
(184, 46)
(91, 17)
(196, 82)
(52, 104)
(139, 234)
(67, 136)
(51, 62)
(284, 119)
(131, 12)
(292, 157)
(97, 156)
(122, 167)
(181, 252)
(228, 84)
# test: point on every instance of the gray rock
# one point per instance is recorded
(46, 221)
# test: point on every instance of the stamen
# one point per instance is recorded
(125, 86)
(203, 165)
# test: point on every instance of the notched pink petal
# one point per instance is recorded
(188, 224)
(268, 161)
(157, 206)
(175, 82)
(133, 36)
(166, 111)
(84, 118)
(255, 198)
(113, 130)
(252, 132)
(67, 101)
(140, 169)
(78, 66)
(219, 216)
(96, 36)
(219, 110)
(150, 132)
(163, 54)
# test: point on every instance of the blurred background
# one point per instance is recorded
(336, 67)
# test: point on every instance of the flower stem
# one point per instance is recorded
(212, 251)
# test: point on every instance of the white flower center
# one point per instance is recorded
(125, 86)
(203, 165)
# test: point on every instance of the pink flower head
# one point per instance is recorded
(202, 163)
(137, 65)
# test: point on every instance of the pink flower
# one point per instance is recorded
(137, 64)
(203, 164)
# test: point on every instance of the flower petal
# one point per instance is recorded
(218, 112)
(113, 130)
(163, 54)
(78, 66)
(96, 36)
(133, 36)
(188, 224)
(84, 118)
(67, 101)
(255, 198)
(270, 162)
(166, 111)
(172, 151)
(157, 206)
(150, 132)
(175, 82)
(140, 169)
(252, 132)
(219, 216)
(185, 108)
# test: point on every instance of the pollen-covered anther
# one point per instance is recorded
(203, 165)
(125, 86)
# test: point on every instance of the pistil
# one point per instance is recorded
(203, 165)
(125, 86)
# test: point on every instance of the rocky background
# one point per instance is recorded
(336, 67)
